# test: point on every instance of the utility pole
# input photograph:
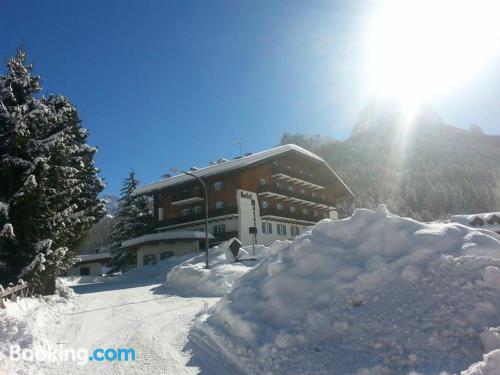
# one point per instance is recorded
(205, 194)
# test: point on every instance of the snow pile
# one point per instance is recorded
(489, 366)
(22, 323)
(371, 294)
(192, 277)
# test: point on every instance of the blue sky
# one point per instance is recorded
(164, 84)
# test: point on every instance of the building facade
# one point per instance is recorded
(89, 264)
(263, 197)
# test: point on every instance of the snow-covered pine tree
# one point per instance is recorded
(133, 218)
(48, 179)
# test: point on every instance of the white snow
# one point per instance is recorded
(371, 294)
(23, 323)
(4, 208)
(374, 294)
(489, 366)
(92, 257)
(7, 231)
(193, 278)
(133, 310)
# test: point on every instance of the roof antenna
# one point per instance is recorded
(241, 150)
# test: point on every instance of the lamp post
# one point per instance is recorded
(205, 194)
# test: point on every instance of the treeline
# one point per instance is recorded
(427, 174)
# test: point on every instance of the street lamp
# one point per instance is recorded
(205, 194)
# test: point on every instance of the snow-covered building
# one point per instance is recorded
(489, 220)
(151, 248)
(266, 196)
(89, 264)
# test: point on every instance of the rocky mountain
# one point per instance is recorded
(111, 203)
(414, 162)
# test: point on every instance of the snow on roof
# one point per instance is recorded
(467, 219)
(92, 257)
(162, 236)
(225, 166)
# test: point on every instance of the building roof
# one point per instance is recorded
(467, 219)
(92, 257)
(233, 164)
(164, 236)
(487, 220)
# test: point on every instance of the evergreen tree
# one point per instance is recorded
(49, 183)
(133, 219)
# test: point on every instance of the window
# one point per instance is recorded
(219, 229)
(219, 205)
(290, 188)
(294, 230)
(278, 185)
(267, 228)
(262, 182)
(166, 255)
(279, 206)
(315, 213)
(313, 194)
(186, 211)
(281, 229)
(218, 186)
(265, 204)
(84, 271)
(197, 210)
(149, 259)
(305, 211)
(275, 163)
(302, 192)
(292, 209)
(161, 213)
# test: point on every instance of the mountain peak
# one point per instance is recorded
(383, 115)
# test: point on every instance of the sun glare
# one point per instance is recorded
(423, 49)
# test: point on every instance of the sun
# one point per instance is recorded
(420, 49)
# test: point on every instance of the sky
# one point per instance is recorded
(174, 84)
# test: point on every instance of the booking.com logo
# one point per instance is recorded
(80, 356)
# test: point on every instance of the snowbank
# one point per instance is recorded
(489, 366)
(152, 273)
(193, 278)
(22, 323)
(371, 294)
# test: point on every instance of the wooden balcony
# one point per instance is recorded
(294, 176)
(199, 216)
(284, 213)
(306, 199)
(187, 197)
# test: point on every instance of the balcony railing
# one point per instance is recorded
(307, 196)
(291, 215)
(199, 216)
(187, 194)
(293, 172)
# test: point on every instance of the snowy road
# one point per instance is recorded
(143, 317)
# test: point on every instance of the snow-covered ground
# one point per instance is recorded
(133, 311)
(192, 278)
(374, 294)
(371, 294)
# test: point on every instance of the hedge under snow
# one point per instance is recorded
(372, 294)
